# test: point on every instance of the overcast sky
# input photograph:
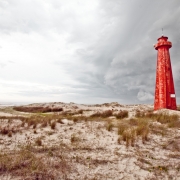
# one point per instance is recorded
(85, 51)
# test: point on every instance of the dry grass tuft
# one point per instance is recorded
(10, 134)
(174, 124)
(109, 126)
(172, 120)
(74, 138)
(33, 163)
(122, 127)
(103, 114)
(31, 121)
(129, 136)
(44, 124)
(133, 122)
(106, 114)
(80, 111)
(38, 142)
(7, 130)
(4, 130)
(122, 114)
(131, 129)
(139, 114)
(75, 119)
(53, 125)
(164, 118)
(119, 140)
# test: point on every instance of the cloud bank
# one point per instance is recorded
(84, 51)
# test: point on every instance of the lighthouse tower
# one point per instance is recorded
(164, 91)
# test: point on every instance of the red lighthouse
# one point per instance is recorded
(164, 92)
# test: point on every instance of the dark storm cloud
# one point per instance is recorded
(126, 61)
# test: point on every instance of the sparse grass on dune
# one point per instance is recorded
(172, 120)
(158, 129)
(9, 130)
(25, 163)
(22, 118)
(165, 118)
(79, 141)
(174, 124)
(129, 130)
(141, 119)
(122, 127)
(105, 114)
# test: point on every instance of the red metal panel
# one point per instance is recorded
(164, 90)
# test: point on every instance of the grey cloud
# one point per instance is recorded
(114, 56)
(135, 67)
(2, 65)
(29, 16)
(144, 96)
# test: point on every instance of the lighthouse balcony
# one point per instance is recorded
(165, 43)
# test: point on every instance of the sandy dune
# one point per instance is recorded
(90, 150)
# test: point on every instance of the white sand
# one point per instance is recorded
(96, 144)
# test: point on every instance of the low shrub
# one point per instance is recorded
(106, 114)
(122, 114)
(103, 114)
(4, 130)
(38, 109)
(80, 111)
(97, 114)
